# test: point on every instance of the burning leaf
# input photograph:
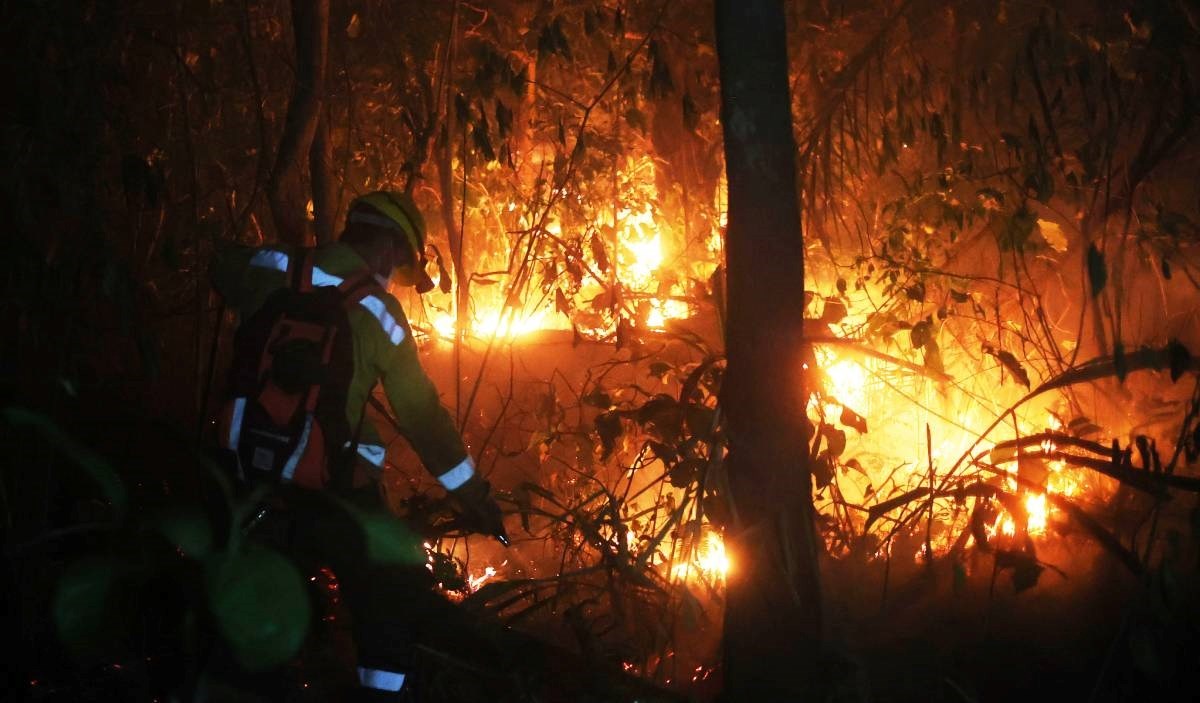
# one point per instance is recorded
(850, 418)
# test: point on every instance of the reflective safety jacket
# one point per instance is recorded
(384, 350)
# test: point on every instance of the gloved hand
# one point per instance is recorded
(480, 512)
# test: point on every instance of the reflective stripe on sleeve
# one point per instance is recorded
(289, 469)
(373, 453)
(270, 259)
(380, 680)
(322, 278)
(235, 422)
(459, 475)
(391, 328)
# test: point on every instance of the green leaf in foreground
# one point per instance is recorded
(85, 608)
(92, 463)
(260, 605)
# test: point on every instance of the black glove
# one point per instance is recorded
(479, 510)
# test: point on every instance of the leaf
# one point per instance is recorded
(959, 296)
(560, 302)
(686, 472)
(188, 529)
(850, 418)
(95, 466)
(389, 542)
(1009, 362)
(260, 606)
(921, 334)
(599, 254)
(85, 606)
(834, 312)
(1097, 273)
(659, 369)
(822, 470)
(916, 292)
(663, 414)
(608, 427)
(835, 441)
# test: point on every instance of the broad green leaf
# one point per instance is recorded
(95, 466)
(260, 606)
(188, 529)
(85, 606)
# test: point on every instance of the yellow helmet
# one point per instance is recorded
(396, 211)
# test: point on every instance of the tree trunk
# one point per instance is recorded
(310, 25)
(324, 188)
(773, 615)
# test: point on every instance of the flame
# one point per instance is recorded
(709, 561)
(474, 582)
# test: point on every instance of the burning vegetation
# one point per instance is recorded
(1000, 292)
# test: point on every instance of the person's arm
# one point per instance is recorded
(429, 427)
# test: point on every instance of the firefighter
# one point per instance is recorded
(384, 237)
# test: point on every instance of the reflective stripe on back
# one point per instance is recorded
(289, 469)
(372, 453)
(391, 328)
(321, 278)
(380, 680)
(459, 475)
(235, 422)
(270, 259)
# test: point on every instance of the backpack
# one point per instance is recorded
(284, 418)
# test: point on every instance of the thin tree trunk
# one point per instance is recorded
(324, 189)
(310, 25)
(773, 614)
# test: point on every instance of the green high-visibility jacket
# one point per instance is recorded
(384, 350)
